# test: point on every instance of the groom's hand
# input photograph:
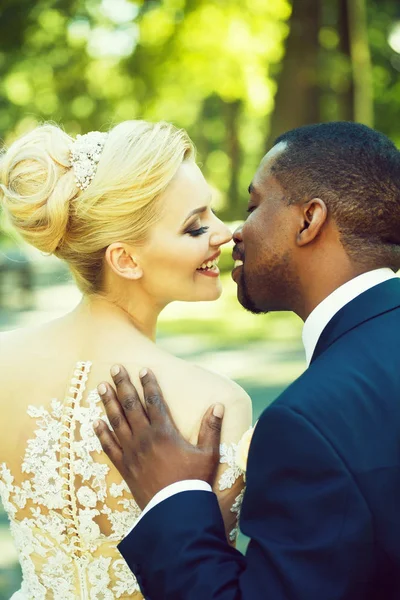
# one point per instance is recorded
(146, 446)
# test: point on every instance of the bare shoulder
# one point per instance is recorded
(238, 406)
(24, 352)
(228, 391)
(7, 337)
(17, 341)
(11, 343)
(188, 376)
(190, 390)
(211, 387)
(20, 335)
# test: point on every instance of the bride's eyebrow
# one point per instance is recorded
(196, 211)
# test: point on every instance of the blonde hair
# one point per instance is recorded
(43, 203)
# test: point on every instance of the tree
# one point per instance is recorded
(204, 65)
(326, 73)
(297, 99)
(363, 110)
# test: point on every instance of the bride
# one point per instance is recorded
(129, 211)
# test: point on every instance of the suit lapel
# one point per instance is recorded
(377, 300)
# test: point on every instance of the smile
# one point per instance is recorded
(210, 264)
(210, 267)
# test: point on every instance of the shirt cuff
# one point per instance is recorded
(187, 485)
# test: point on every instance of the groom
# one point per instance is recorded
(322, 504)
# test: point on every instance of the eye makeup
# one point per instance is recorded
(198, 231)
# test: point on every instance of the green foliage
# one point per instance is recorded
(207, 65)
(204, 65)
(384, 19)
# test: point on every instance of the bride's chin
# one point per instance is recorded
(203, 293)
(212, 295)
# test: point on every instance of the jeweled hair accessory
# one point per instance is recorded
(85, 154)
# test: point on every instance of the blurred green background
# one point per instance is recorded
(235, 74)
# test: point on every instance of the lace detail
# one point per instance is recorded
(55, 511)
(62, 551)
(229, 478)
(228, 456)
(236, 508)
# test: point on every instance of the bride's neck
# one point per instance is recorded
(140, 317)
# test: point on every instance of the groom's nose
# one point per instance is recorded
(237, 235)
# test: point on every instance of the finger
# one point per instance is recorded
(210, 429)
(129, 399)
(108, 443)
(157, 409)
(114, 437)
(115, 413)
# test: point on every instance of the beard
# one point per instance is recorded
(273, 287)
(244, 297)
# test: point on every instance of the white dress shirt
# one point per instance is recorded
(319, 318)
(313, 327)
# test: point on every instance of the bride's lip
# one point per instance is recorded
(211, 273)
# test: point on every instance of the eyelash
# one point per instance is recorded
(199, 231)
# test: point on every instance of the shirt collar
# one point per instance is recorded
(323, 313)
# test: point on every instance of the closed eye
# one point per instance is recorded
(199, 231)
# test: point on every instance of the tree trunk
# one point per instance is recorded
(297, 97)
(232, 114)
(345, 97)
(361, 62)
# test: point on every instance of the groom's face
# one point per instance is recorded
(267, 280)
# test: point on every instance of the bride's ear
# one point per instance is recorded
(121, 259)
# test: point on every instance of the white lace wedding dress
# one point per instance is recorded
(69, 508)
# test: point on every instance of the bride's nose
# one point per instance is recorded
(221, 234)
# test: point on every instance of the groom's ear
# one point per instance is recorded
(121, 259)
(313, 216)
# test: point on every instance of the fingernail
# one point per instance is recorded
(96, 424)
(101, 389)
(115, 370)
(218, 411)
(143, 373)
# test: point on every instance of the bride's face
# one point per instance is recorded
(187, 235)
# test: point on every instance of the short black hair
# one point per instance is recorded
(356, 171)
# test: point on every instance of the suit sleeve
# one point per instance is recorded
(309, 527)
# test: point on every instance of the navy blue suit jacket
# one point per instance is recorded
(322, 504)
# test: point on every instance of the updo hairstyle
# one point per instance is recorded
(43, 203)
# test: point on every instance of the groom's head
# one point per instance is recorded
(324, 206)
